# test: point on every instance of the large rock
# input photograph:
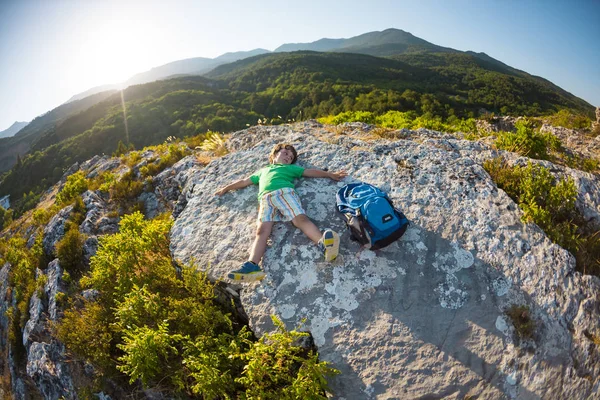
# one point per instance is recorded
(45, 365)
(167, 187)
(55, 230)
(97, 218)
(426, 316)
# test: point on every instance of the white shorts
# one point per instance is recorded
(280, 205)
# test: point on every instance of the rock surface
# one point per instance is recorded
(426, 316)
(55, 230)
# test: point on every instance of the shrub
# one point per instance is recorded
(131, 159)
(396, 119)
(6, 217)
(75, 185)
(126, 189)
(86, 331)
(194, 141)
(166, 329)
(69, 251)
(42, 216)
(168, 157)
(528, 142)
(276, 369)
(567, 119)
(146, 351)
(104, 182)
(404, 120)
(349, 116)
(550, 203)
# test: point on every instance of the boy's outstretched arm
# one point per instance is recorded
(318, 173)
(242, 183)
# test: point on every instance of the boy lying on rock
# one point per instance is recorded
(278, 201)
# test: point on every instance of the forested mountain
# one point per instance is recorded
(386, 43)
(275, 87)
(13, 147)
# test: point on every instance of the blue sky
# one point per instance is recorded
(53, 49)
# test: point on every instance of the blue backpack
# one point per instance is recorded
(370, 215)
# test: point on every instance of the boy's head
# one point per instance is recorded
(283, 153)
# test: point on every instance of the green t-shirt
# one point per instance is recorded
(276, 176)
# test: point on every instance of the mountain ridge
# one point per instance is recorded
(13, 129)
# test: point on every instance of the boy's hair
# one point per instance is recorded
(280, 146)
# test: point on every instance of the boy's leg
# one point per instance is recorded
(263, 230)
(250, 271)
(308, 227)
(329, 240)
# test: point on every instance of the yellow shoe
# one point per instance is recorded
(330, 244)
(248, 273)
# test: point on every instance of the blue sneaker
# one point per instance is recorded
(330, 244)
(249, 272)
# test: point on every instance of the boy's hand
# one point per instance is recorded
(338, 176)
(221, 192)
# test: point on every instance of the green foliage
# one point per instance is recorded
(277, 369)
(131, 159)
(522, 321)
(568, 119)
(25, 203)
(168, 154)
(69, 251)
(103, 182)
(550, 203)
(166, 330)
(194, 141)
(147, 350)
(86, 332)
(122, 149)
(76, 184)
(23, 283)
(349, 116)
(6, 217)
(527, 141)
(404, 120)
(397, 119)
(22, 272)
(126, 190)
(41, 216)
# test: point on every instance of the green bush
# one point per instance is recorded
(396, 119)
(527, 141)
(568, 119)
(349, 116)
(166, 330)
(69, 251)
(76, 184)
(168, 155)
(147, 351)
(404, 120)
(126, 190)
(6, 217)
(277, 369)
(550, 203)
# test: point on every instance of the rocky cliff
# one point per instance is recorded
(425, 317)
